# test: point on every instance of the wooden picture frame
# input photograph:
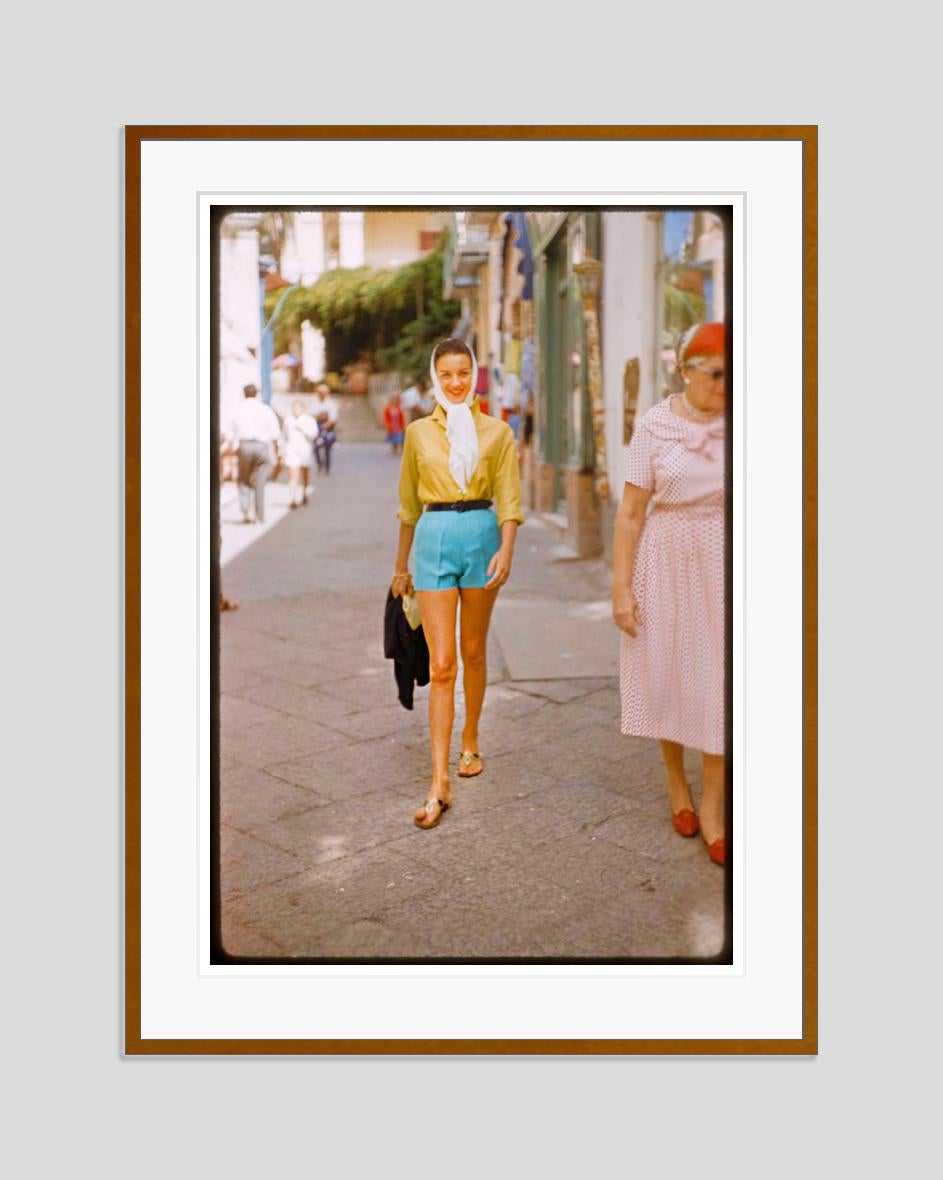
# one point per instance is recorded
(151, 304)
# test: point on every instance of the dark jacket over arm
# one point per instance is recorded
(406, 648)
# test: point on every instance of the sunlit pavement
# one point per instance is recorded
(237, 536)
(562, 848)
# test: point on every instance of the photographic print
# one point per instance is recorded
(531, 739)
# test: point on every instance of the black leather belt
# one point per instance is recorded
(459, 506)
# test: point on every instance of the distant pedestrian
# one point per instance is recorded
(409, 400)
(394, 422)
(456, 463)
(325, 412)
(255, 430)
(224, 602)
(300, 432)
(668, 582)
(228, 461)
(415, 401)
(426, 400)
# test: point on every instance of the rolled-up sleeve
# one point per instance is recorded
(507, 480)
(410, 506)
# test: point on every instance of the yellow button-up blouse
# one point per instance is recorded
(425, 478)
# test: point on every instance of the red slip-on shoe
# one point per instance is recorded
(685, 822)
(716, 850)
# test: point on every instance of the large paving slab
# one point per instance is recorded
(555, 640)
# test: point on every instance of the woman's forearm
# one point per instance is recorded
(508, 536)
(624, 545)
(405, 544)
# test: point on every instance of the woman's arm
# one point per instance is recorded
(402, 582)
(630, 520)
(499, 567)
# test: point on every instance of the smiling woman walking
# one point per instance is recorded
(456, 463)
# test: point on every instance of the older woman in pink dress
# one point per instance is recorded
(668, 582)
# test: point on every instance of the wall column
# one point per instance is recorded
(351, 246)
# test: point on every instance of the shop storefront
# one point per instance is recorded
(564, 452)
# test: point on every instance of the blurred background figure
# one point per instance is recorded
(325, 412)
(426, 400)
(255, 431)
(409, 400)
(394, 422)
(415, 401)
(228, 461)
(300, 432)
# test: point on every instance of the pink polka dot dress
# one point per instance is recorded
(672, 672)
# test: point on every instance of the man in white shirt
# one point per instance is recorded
(409, 402)
(256, 430)
(325, 412)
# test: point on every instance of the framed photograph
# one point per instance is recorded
(470, 590)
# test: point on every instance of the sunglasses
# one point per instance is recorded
(713, 374)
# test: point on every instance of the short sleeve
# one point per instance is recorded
(639, 461)
(410, 506)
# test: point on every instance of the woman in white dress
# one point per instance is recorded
(300, 432)
(668, 583)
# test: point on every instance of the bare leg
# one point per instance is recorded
(712, 799)
(438, 609)
(477, 606)
(304, 485)
(292, 483)
(679, 793)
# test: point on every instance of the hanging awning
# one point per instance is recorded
(517, 221)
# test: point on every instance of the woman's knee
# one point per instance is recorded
(443, 669)
(473, 653)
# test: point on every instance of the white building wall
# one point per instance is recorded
(392, 239)
(629, 323)
(351, 248)
(240, 329)
(309, 242)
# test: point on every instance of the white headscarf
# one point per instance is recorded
(459, 427)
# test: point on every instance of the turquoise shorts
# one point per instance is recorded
(454, 549)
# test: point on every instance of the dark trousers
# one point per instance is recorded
(322, 449)
(255, 464)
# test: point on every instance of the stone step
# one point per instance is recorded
(357, 421)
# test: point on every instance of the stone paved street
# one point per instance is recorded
(562, 848)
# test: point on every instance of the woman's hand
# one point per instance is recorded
(626, 613)
(402, 584)
(499, 569)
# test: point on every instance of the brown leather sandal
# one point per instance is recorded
(430, 813)
(467, 760)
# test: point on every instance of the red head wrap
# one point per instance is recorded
(701, 340)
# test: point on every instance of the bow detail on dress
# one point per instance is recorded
(694, 436)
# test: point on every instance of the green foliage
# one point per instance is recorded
(395, 313)
(682, 309)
